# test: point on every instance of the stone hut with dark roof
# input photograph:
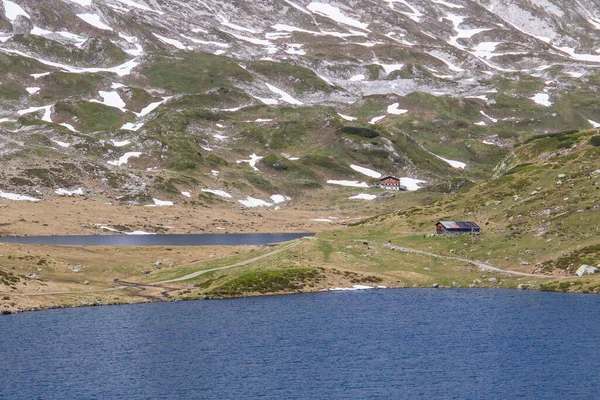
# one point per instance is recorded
(457, 228)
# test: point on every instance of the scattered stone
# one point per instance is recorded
(523, 286)
(435, 285)
(33, 275)
(86, 282)
(561, 176)
(525, 263)
(75, 268)
(493, 280)
(471, 285)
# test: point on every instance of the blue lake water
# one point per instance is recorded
(391, 344)
(204, 239)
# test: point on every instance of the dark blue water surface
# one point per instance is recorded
(204, 239)
(393, 344)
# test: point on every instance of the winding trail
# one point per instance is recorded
(141, 286)
(483, 266)
(239, 264)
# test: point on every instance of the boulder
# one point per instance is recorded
(22, 25)
(586, 270)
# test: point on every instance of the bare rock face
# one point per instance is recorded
(22, 25)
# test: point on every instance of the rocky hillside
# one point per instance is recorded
(175, 100)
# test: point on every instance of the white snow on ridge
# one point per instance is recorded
(124, 159)
(64, 145)
(66, 192)
(120, 143)
(347, 118)
(186, 194)
(152, 106)
(415, 14)
(82, 2)
(94, 20)
(376, 119)
(162, 203)
(357, 78)
(217, 192)
(494, 120)
(121, 70)
(542, 99)
(17, 197)
(111, 99)
(284, 96)
(366, 171)
(335, 14)
(278, 198)
(13, 10)
(252, 161)
(449, 5)
(47, 112)
(252, 202)
(411, 184)
(393, 109)
(389, 68)
(68, 126)
(32, 90)
(363, 196)
(348, 183)
(453, 163)
(594, 123)
(172, 42)
(139, 6)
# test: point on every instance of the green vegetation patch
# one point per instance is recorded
(92, 117)
(301, 79)
(192, 72)
(95, 52)
(595, 140)
(362, 132)
(269, 281)
(60, 85)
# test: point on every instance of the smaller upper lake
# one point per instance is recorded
(222, 239)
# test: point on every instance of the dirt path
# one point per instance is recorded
(239, 264)
(483, 266)
(126, 285)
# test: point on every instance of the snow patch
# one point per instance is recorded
(411, 184)
(376, 119)
(94, 20)
(124, 159)
(278, 198)
(366, 171)
(252, 202)
(217, 192)
(13, 10)
(252, 161)
(363, 196)
(284, 96)
(347, 118)
(542, 99)
(335, 14)
(348, 183)
(394, 109)
(17, 197)
(66, 192)
(186, 194)
(162, 203)
(32, 90)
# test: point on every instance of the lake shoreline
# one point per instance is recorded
(252, 295)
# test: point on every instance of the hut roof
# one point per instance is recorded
(459, 225)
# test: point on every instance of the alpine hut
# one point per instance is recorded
(457, 228)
